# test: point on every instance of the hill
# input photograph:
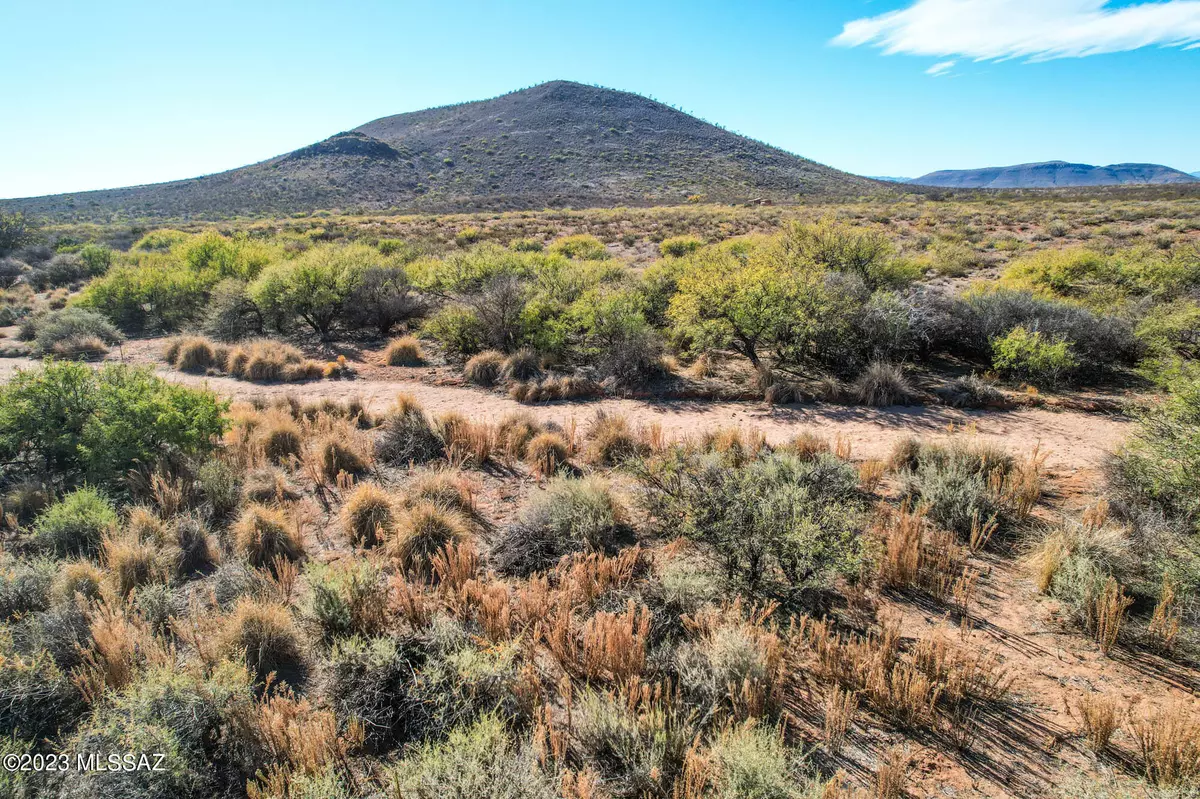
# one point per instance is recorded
(553, 145)
(1054, 174)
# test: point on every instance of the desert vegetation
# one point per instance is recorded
(302, 597)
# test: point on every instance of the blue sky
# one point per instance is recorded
(117, 93)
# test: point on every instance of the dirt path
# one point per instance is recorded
(1077, 442)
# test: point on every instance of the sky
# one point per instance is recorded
(100, 95)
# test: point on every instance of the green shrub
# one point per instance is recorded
(841, 248)
(231, 314)
(778, 524)
(1030, 356)
(958, 483)
(580, 247)
(370, 679)
(346, 599)
(37, 699)
(478, 760)
(76, 524)
(96, 259)
(64, 421)
(459, 330)
(526, 245)
(679, 246)
(24, 586)
(571, 515)
(62, 332)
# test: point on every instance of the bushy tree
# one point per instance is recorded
(65, 422)
(15, 231)
(316, 286)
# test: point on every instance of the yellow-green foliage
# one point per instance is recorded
(1107, 280)
(316, 285)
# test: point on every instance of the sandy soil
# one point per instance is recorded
(1076, 442)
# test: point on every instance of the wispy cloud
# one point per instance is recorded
(940, 68)
(1034, 29)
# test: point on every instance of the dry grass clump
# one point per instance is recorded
(614, 644)
(840, 706)
(422, 532)
(918, 555)
(308, 740)
(524, 364)
(891, 779)
(265, 636)
(1106, 613)
(736, 447)
(466, 442)
(1098, 717)
(193, 354)
(269, 486)
(562, 387)
(339, 453)
(806, 445)
(1169, 740)
(80, 577)
(280, 437)
(882, 384)
(546, 453)
(406, 435)
(514, 432)
(484, 369)
(404, 351)
(447, 488)
(269, 361)
(611, 441)
(261, 534)
(130, 563)
(369, 515)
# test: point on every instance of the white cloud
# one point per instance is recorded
(1034, 29)
(940, 68)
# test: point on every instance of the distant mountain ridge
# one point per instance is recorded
(553, 145)
(1054, 174)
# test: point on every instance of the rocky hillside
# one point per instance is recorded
(1054, 174)
(553, 145)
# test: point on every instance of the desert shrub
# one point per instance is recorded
(1026, 355)
(1157, 474)
(11, 270)
(639, 747)
(571, 515)
(76, 577)
(96, 258)
(753, 761)
(581, 247)
(841, 248)
(952, 259)
(458, 329)
(263, 635)
(37, 698)
(775, 524)
(609, 332)
(369, 679)
(468, 236)
(280, 438)
(220, 485)
(882, 384)
(196, 550)
(1097, 342)
(960, 484)
(262, 534)
(172, 712)
(231, 314)
(62, 270)
(970, 391)
(477, 760)
(346, 598)
(404, 352)
(235, 579)
(76, 524)
(62, 333)
(407, 436)
(679, 246)
(381, 298)
(368, 515)
(484, 369)
(64, 421)
(526, 245)
(546, 453)
(269, 486)
(24, 586)
(422, 532)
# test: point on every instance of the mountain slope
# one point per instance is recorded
(556, 144)
(1054, 174)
